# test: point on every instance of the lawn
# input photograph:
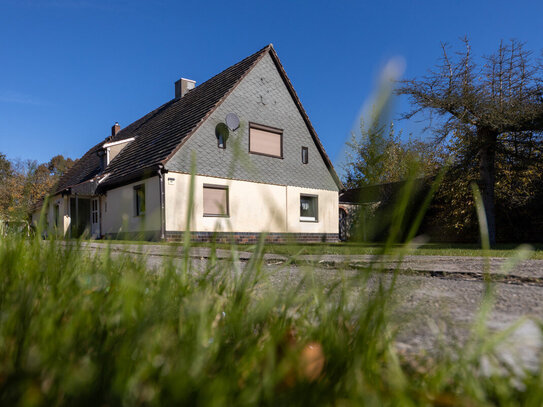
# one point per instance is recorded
(505, 250)
(103, 330)
(291, 249)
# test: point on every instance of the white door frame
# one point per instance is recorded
(95, 217)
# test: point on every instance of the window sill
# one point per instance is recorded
(266, 155)
(308, 219)
(215, 216)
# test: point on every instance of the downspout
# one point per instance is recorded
(68, 192)
(162, 205)
(286, 208)
(77, 214)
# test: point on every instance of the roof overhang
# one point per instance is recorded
(298, 103)
(115, 143)
(140, 175)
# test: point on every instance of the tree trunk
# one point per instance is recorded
(487, 177)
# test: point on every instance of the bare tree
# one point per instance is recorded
(489, 107)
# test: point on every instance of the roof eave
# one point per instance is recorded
(129, 178)
(263, 52)
(294, 95)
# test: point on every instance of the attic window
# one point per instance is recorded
(305, 155)
(102, 157)
(222, 133)
(265, 140)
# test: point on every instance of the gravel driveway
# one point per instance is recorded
(438, 296)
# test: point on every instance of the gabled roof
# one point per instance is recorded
(159, 134)
(294, 95)
(86, 168)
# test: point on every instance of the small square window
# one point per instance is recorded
(305, 155)
(215, 200)
(309, 208)
(139, 200)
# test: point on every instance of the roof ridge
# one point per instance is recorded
(168, 127)
(160, 133)
(148, 116)
(298, 103)
(260, 54)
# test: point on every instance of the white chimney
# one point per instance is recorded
(182, 86)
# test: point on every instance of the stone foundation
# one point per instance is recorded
(227, 237)
(241, 237)
(149, 236)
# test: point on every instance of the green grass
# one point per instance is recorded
(291, 249)
(101, 330)
(508, 250)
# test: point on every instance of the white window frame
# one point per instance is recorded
(314, 219)
(95, 204)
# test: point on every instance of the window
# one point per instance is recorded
(139, 200)
(94, 211)
(221, 141)
(265, 140)
(57, 215)
(305, 155)
(222, 133)
(103, 159)
(309, 208)
(215, 200)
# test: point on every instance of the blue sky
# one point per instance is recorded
(70, 68)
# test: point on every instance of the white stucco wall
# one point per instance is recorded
(253, 207)
(64, 215)
(328, 216)
(120, 214)
(263, 98)
(103, 208)
(36, 217)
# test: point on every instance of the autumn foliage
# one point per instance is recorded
(24, 183)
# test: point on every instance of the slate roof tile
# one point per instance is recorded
(160, 133)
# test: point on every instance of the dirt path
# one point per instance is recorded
(437, 300)
(466, 268)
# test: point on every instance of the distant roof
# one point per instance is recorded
(379, 192)
(160, 133)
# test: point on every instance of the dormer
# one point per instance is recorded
(114, 148)
(110, 149)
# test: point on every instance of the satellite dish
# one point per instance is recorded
(232, 121)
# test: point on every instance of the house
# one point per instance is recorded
(257, 161)
(7, 225)
(365, 212)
